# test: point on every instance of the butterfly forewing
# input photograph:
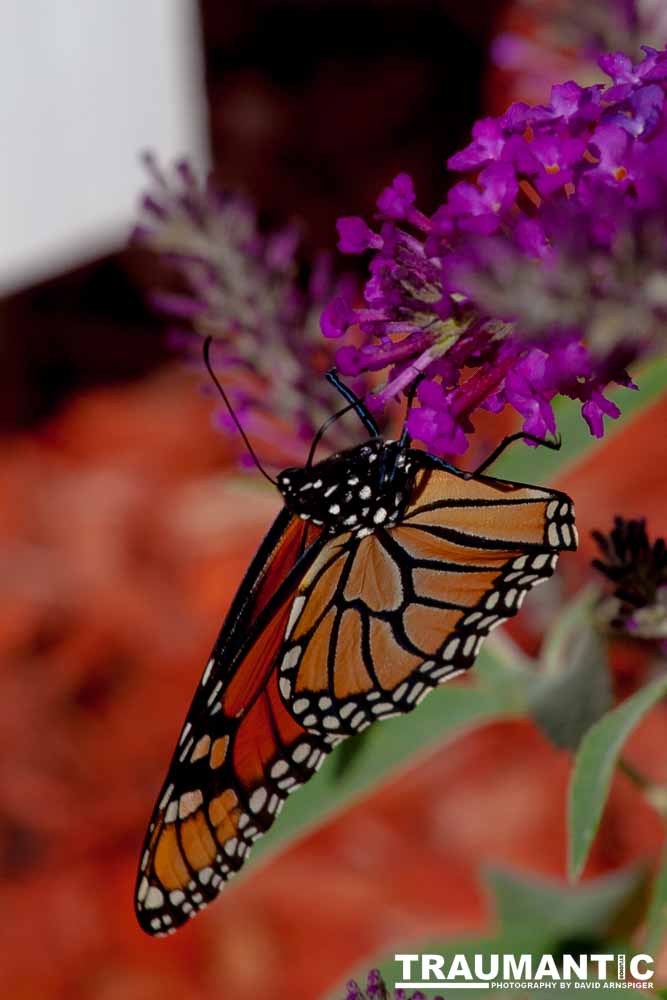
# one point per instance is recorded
(380, 621)
(240, 751)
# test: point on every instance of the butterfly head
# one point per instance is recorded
(358, 490)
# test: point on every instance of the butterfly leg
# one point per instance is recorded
(520, 435)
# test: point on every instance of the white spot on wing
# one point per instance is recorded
(207, 672)
(214, 693)
(285, 687)
(441, 672)
(415, 693)
(400, 691)
(154, 898)
(469, 645)
(189, 802)
(300, 753)
(257, 800)
(450, 649)
(167, 795)
(294, 614)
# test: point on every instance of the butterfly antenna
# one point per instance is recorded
(223, 394)
(324, 428)
(354, 403)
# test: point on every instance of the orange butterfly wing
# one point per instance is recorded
(380, 621)
(240, 752)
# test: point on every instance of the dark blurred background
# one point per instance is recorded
(312, 107)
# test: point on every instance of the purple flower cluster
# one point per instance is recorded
(247, 291)
(376, 989)
(543, 275)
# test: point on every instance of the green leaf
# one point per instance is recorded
(350, 753)
(596, 910)
(566, 704)
(594, 767)
(656, 921)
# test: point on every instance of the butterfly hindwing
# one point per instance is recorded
(381, 620)
(240, 751)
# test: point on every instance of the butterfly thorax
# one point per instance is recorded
(357, 490)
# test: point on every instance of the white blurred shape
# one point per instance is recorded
(86, 85)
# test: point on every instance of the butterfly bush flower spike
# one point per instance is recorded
(245, 289)
(543, 274)
(376, 989)
(637, 569)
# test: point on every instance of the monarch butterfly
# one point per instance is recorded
(378, 580)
